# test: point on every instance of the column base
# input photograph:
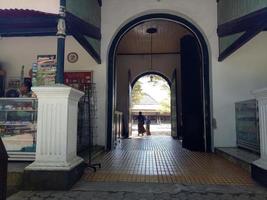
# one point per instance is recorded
(52, 179)
(54, 165)
(259, 171)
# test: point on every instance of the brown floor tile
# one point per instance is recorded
(163, 160)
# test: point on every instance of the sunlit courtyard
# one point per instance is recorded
(155, 130)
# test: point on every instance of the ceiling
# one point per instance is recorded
(165, 40)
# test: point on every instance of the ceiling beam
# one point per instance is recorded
(239, 43)
(11, 21)
(77, 24)
(27, 32)
(251, 24)
(28, 26)
(242, 24)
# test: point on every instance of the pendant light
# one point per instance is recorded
(151, 31)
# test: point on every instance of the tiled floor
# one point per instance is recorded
(160, 159)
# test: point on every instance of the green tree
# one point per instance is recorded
(137, 92)
(165, 106)
(162, 83)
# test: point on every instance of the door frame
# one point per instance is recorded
(205, 67)
(150, 73)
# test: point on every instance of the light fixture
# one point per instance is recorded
(151, 31)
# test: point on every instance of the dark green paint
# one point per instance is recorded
(87, 10)
(90, 12)
(233, 9)
(94, 43)
(235, 15)
(225, 42)
(60, 60)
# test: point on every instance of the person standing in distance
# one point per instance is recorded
(141, 121)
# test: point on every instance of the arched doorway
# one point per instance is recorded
(151, 95)
(205, 84)
(151, 73)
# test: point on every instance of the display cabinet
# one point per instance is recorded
(18, 118)
(247, 125)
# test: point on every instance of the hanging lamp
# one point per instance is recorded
(151, 31)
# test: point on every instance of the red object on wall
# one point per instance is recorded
(78, 80)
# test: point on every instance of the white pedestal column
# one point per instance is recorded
(261, 96)
(56, 128)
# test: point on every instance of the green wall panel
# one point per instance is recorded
(88, 10)
(232, 9)
(94, 43)
(225, 42)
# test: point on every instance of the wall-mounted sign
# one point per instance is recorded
(72, 57)
(46, 70)
(78, 80)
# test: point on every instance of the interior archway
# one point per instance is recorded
(151, 73)
(151, 95)
(204, 68)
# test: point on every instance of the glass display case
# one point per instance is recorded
(18, 119)
(247, 125)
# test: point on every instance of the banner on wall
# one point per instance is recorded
(78, 80)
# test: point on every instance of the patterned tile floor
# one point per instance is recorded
(161, 159)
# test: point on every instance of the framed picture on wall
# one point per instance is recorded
(72, 57)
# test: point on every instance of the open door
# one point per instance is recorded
(192, 95)
(130, 104)
(174, 122)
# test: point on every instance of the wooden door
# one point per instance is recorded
(174, 113)
(129, 105)
(192, 95)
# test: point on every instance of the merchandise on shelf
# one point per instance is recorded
(18, 118)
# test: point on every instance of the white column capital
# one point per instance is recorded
(57, 91)
(56, 147)
(260, 93)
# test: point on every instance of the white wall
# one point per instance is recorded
(231, 80)
(18, 51)
(50, 6)
(163, 63)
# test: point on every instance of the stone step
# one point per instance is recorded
(239, 156)
(15, 176)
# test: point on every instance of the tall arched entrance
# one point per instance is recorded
(193, 119)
